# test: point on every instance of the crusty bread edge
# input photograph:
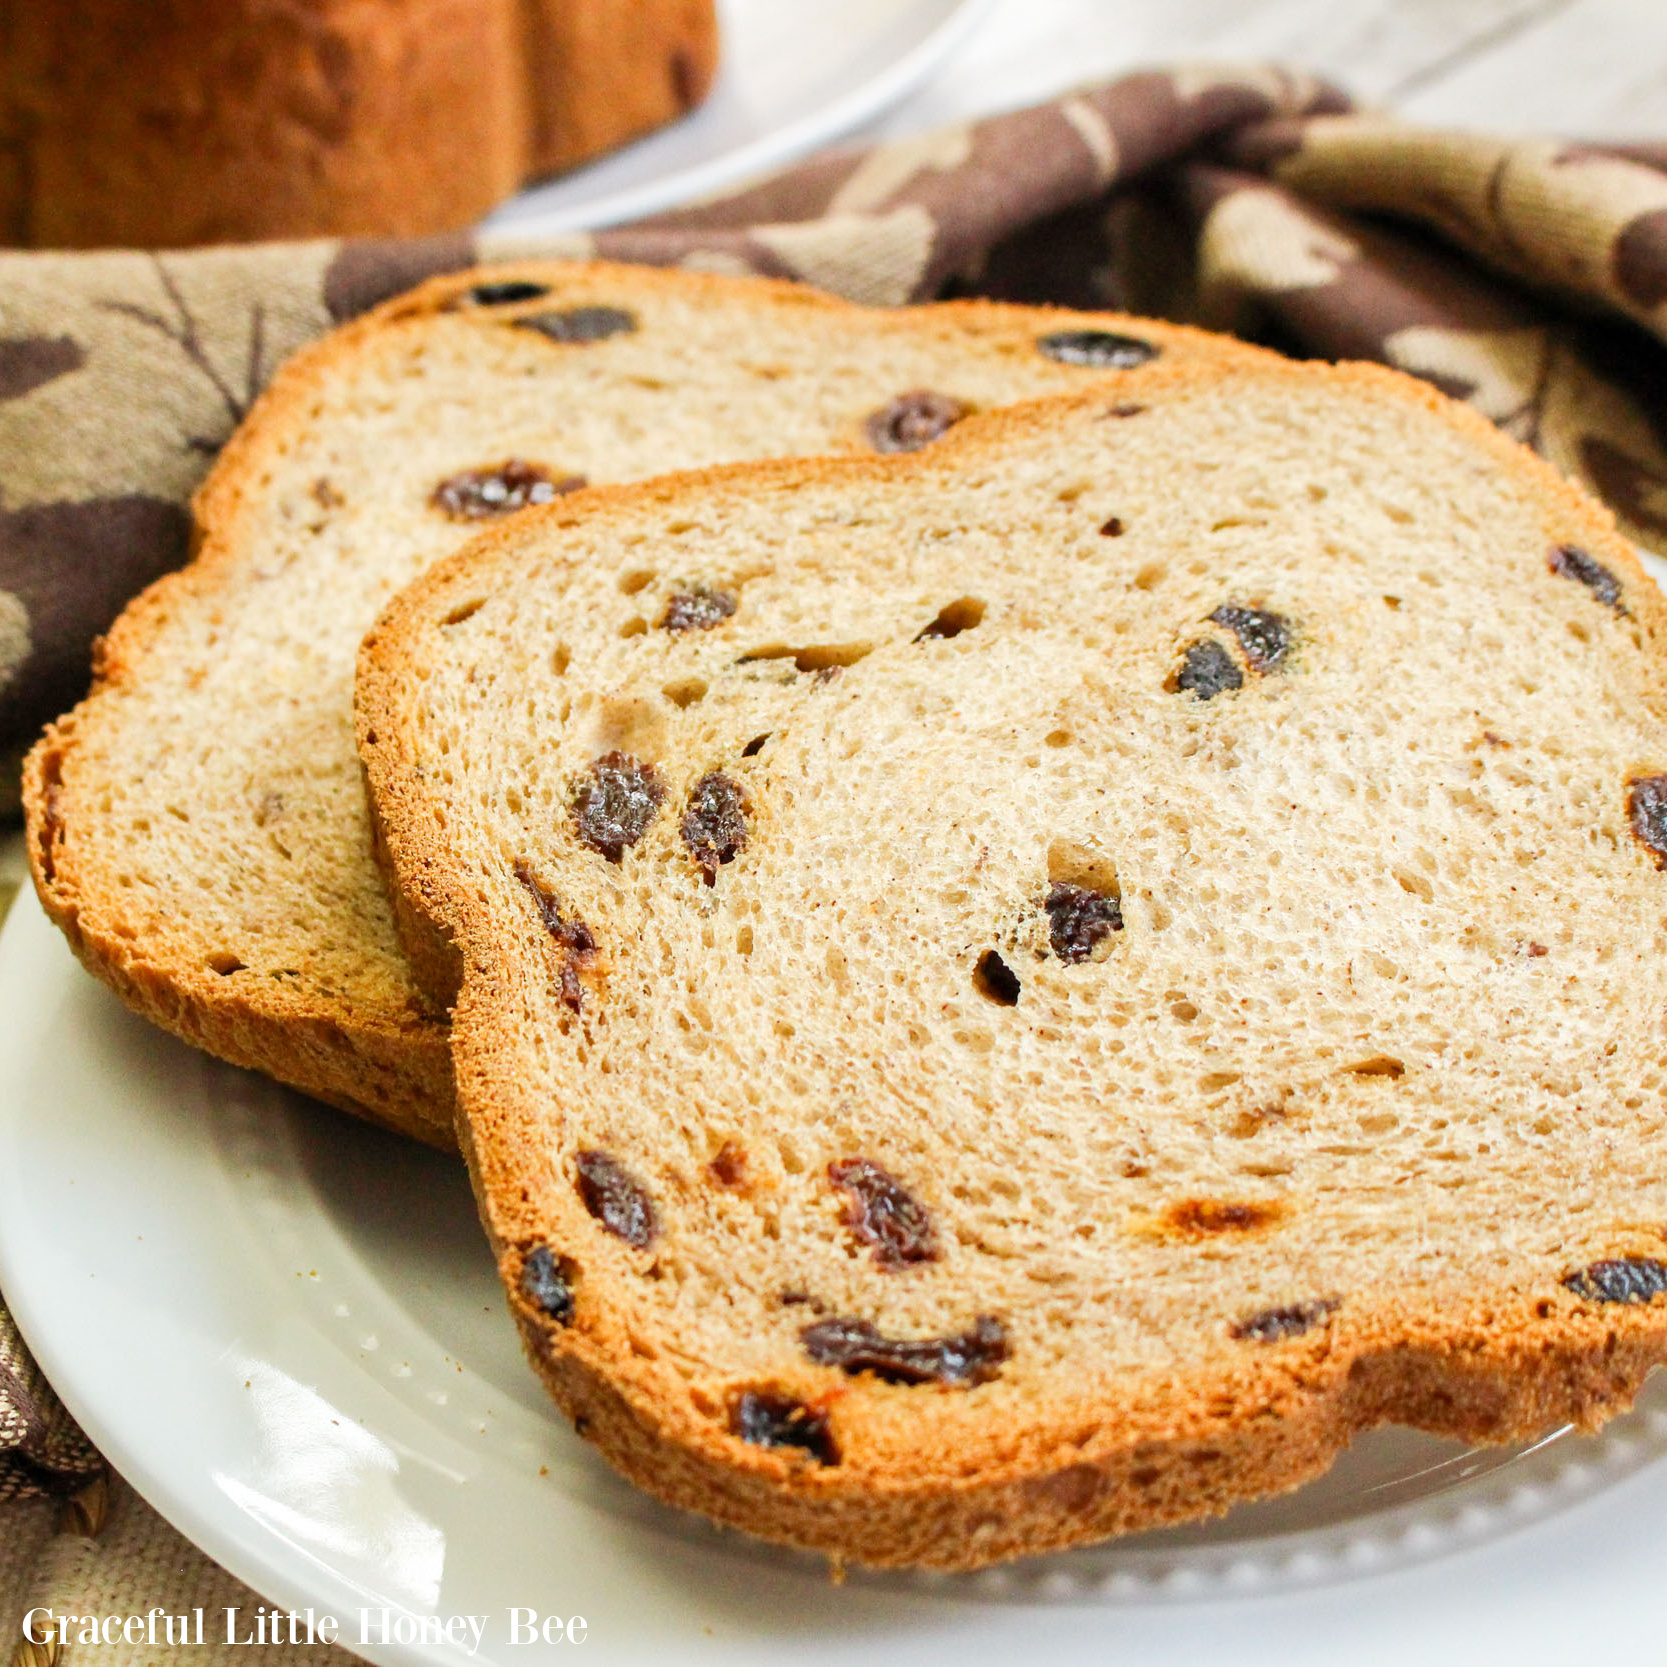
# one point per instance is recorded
(391, 1068)
(1488, 1365)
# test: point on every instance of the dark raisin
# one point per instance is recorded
(715, 824)
(778, 1421)
(1113, 528)
(617, 1199)
(858, 1346)
(697, 610)
(882, 1212)
(478, 494)
(1125, 410)
(1574, 563)
(1622, 1279)
(570, 934)
(1271, 1325)
(1096, 349)
(545, 1284)
(613, 803)
(912, 420)
(505, 294)
(573, 935)
(1647, 807)
(1207, 670)
(993, 979)
(954, 618)
(1264, 637)
(755, 746)
(579, 324)
(819, 657)
(1080, 919)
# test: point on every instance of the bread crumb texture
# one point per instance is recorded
(199, 823)
(984, 1090)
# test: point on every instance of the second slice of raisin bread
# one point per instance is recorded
(197, 824)
(1031, 991)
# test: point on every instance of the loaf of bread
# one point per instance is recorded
(198, 825)
(208, 121)
(1031, 991)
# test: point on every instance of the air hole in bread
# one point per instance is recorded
(1417, 884)
(225, 963)
(635, 626)
(685, 693)
(1057, 738)
(1379, 1065)
(729, 1164)
(954, 618)
(637, 579)
(561, 657)
(1206, 1217)
(464, 610)
(993, 979)
(743, 940)
(754, 746)
(820, 657)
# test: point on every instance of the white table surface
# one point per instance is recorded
(1592, 68)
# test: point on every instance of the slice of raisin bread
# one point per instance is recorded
(198, 825)
(1033, 990)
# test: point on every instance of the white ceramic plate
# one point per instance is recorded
(285, 1329)
(794, 75)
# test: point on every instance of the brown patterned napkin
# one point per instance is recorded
(1528, 277)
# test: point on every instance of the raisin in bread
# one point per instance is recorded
(1031, 991)
(198, 825)
(209, 121)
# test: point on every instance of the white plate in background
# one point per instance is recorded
(284, 1328)
(794, 74)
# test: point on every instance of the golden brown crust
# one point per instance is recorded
(385, 1062)
(967, 1478)
(221, 122)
